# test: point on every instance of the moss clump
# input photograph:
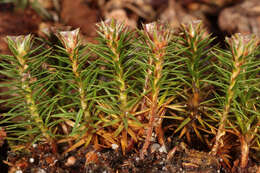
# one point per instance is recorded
(120, 91)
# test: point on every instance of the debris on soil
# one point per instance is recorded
(40, 158)
(242, 18)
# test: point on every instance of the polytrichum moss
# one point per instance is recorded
(117, 93)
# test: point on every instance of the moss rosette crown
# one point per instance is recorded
(69, 39)
(111, 30)
(242, 45)
(158, 34)
(193, 28)
(22, 44)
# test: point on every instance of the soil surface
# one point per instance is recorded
(221, 17)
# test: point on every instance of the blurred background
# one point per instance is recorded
(221, 17)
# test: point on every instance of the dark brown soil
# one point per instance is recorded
(89, 160)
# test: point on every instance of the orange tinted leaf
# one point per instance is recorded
(88, 139)
(18, 147)
(173, 117)
(176, 107)
(197, 132)
(76, 145)
(68, 139)
(141, 112)
(134, 124)
(201, 122)
(106, 136)
(132, 134)
(225, 159)
(188, 137)
(96, 144)
(124, 141)
(184, 130)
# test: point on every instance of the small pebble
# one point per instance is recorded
(99, 154)
(114, 146)
(71, 161)
(41, 171)
(155, 147)
(31, 160)
(162, 149)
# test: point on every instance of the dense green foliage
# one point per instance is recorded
(120, 91)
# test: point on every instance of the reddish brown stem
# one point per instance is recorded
(149, 131)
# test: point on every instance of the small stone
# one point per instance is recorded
(41, 171)
(31, 160)
(99, 154)
(154, 147)
(19, 171)
(114, 146)
(71, 161)
(162, 149)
